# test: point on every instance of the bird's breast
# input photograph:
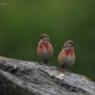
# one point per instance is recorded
(66, 56)
(45, 48)
(44, 45)
(68, 52)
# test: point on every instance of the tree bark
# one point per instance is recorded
(19, 77)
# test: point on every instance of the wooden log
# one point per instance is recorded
(19, 77)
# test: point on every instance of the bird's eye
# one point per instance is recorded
(40, 37)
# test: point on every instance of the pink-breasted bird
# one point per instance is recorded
(66, 57)
(45, 48)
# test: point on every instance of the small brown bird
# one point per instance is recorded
(66, 57)
(45, 48)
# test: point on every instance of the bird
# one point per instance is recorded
(66, 57)
(45, 48)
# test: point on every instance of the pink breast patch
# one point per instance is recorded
(43, 44)
(68, 52)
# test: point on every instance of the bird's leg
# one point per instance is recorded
(46, 62)
(61, 68)
(64, 68)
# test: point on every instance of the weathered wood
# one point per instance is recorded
(19, 77)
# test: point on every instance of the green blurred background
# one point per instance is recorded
(22, 21)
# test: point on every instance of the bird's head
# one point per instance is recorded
(69, 44)
(44, 37)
